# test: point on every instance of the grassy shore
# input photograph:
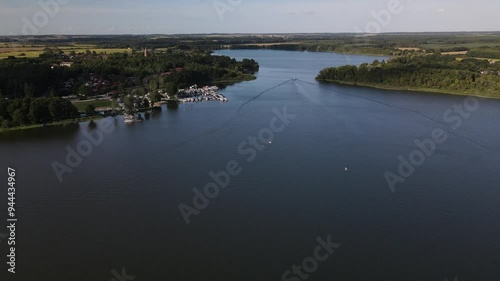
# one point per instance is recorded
(82, 105)
(58, 123)
(427, 90)
(241, 78)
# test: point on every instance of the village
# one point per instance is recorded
(192, 94)
(131, 105)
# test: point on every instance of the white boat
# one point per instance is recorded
(129, 119)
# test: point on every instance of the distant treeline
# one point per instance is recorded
(374, 49)
(423, 72)
(327, 47)
(491, 53)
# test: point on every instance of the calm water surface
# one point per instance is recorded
(119, 207)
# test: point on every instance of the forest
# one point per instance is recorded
(32, 111)
(437, 73)
(36, 77)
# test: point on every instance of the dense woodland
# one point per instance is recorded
(35, 77)
(28, 111)
(436, 72)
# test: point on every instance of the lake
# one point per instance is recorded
(285, 141)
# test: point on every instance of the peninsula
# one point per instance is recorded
(428, 73)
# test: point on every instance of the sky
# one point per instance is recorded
(39, 17)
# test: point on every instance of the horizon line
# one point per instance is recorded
(246, 33)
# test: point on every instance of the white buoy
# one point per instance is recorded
(346, 170)
(270, 142)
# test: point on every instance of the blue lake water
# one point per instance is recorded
(119, 208)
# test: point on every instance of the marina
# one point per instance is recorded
(195, 94)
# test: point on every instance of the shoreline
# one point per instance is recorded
(53, 124)
(410, 89)
(230, 82)
(313, 51)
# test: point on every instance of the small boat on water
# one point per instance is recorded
(129, 119)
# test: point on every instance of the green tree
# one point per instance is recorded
(55, 109)
(4, 108)
(171, 89)
(153, 86)
(23, 105)
(29, 90)
(4, 123)
(129, 102)
(141, 91)
(90, 110)
(52, 93)
(47, 52)
(61, 109)
(155, 97)
(39, 112)
(18, 118)
(83, 91)
(69, 110)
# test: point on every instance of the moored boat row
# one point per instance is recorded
(195, 94)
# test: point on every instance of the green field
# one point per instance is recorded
(33, 51)
(27, 54)
(81, 106)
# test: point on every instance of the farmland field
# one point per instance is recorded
(33, 51)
